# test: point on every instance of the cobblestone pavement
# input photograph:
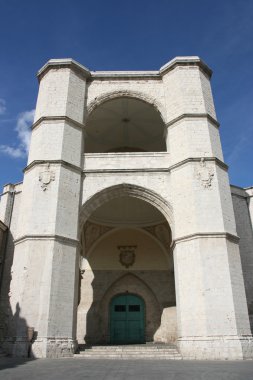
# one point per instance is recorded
(63, 369)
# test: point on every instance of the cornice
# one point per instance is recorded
(193, 116)
(55, 237)
(123, 171)
(127, 154)
(220, 163)
(53, 162)
(76, 168)
(63, 63)
(186, 61)
(155, 74)
(141, 75)
(170, 168)
(203, 235)
(57, 118)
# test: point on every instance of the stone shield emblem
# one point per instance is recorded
(127, 255)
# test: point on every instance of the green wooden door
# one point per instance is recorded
(127, 313)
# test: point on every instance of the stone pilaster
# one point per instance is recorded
(249, 192)
(6, 204)
(212, 312)
(45, 268)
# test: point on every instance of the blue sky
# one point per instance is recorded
(127, 35)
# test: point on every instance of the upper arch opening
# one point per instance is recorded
(125, 124)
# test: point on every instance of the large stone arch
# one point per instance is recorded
(126, 189)
(92, 326)
(96, 102)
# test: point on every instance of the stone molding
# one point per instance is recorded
(108, 222)
(186, 61)
(12, 192)
(63, 63)
(11, 188)
(66, 164)
(67, 119)
(240, 192)
(206, 235)
(249, 191)
(130, 94)
(240, 196)
(78, 169)
(123, 171)
(127, 154)
(216, 160)
(144, 75)
(157, 74)
(60, 238)
(116, 94)
(92, 203)
(193, 116)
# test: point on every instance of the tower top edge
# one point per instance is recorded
(177, 61)
(186, 61)
(63, 62)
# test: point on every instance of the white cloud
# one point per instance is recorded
(13, 152)
(2, 106)
(24, 121)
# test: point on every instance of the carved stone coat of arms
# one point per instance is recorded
(127, 255)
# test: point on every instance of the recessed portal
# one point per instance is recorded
(125, 124)
(127, 319)
(127, 287)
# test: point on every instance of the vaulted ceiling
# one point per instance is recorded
(124, 124)
(127, 211)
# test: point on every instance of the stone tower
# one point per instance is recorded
(147, 140)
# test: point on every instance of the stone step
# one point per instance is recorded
(130, 352)
(128, 357)
(131, 349)
(134, 352)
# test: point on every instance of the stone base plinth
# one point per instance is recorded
(49, 347)
(216, 347)
(54, 347)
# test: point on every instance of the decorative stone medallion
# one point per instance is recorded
(92, 232)
(205, 174)
(46, 177)
(127, 255)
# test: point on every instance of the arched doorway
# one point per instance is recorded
(127, 319)
(125, 245)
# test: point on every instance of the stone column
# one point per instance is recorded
(212, 312)
(249, 192)
(6, 204)
(45, 269)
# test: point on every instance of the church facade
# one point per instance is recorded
(125, 229)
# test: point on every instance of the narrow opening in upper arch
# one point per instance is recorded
(125, 124)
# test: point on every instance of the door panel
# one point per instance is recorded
(134, 331)
(127, 314)
(120, 331)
